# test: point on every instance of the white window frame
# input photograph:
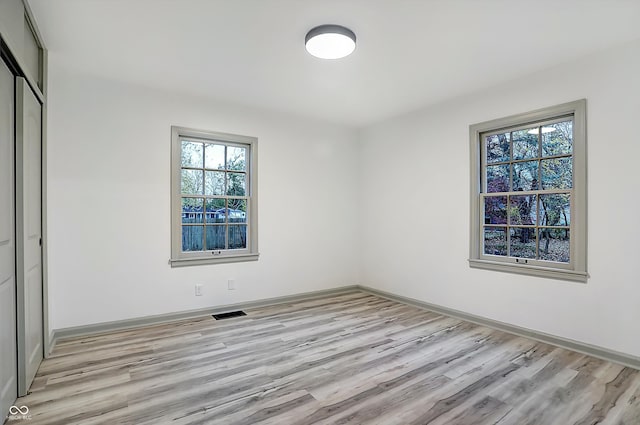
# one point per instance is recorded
(181, 258)
(576, 269)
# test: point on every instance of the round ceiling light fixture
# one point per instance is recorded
(330, 41)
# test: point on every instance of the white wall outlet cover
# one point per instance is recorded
(231, 284)
(198, 290)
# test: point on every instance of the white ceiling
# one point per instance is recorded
(409, 53)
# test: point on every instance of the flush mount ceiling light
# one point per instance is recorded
(330, 41)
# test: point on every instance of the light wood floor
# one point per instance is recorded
(349, 359)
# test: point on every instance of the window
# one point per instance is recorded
(528, 193)
(214, 197)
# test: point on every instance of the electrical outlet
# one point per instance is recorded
(198, 290)
(231, 284)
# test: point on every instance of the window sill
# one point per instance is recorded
(202, 261)
(570, 275)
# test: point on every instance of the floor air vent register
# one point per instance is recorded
(229, 315)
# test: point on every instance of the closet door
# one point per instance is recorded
(8, 347)
(28, 233)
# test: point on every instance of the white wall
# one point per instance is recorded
(109, 203)
(415, 205)
(406, 182)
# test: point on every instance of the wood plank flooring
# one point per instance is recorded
(348, 359)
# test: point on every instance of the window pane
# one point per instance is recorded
(498, 178)
(495, 210)
(191, 154)
(214, 156)
(237, 210)
(216, 237)
(236, 184)
(236, 158)
(192, 210)
(522, 209)
(525, 143)
(215, 210)
(191, 182)
(192, 238)
(214, 182)
(523, 242)
(497, 147)
(237, 237)
(557, 173)
(525, 175)
(554, 245)
(555, 210)
(495, 240)
(557, 139)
